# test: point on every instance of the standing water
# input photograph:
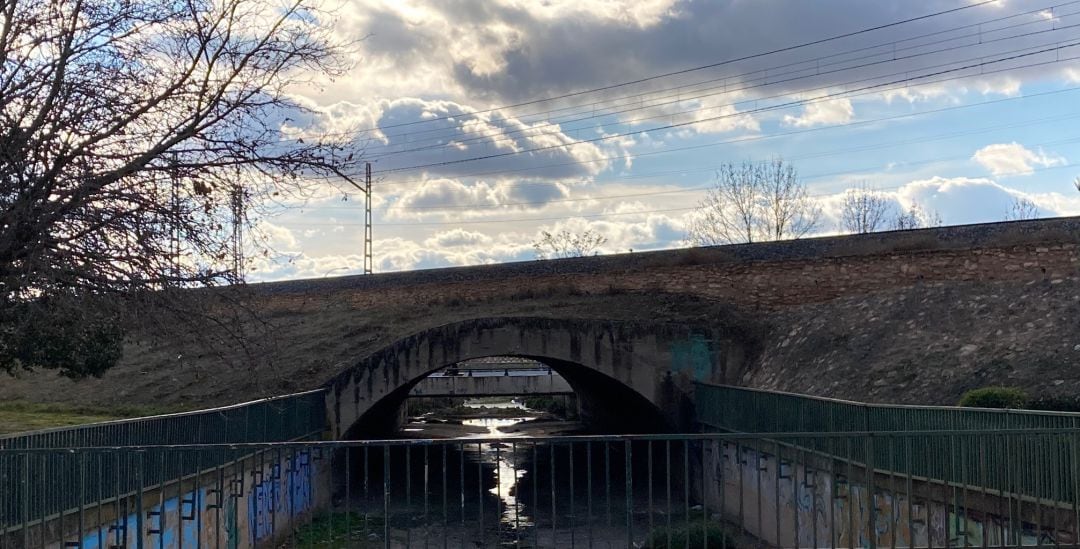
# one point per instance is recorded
(514, 492)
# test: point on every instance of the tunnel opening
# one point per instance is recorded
(514, 487)
(603, 404)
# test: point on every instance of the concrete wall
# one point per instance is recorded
(628, 376)
(253, 504)
(828, 505)
(497, 385)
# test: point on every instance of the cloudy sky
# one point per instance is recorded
(479, 120)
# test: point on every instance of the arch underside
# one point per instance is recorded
(629, 377)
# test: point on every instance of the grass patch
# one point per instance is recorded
(18, 416)
(693, 534)
(336, 530)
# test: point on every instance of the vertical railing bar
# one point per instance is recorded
(850, 489)
(667, 476)
(742, 485)
(649, 478)
(43, 501)
(139, 511)
(427, 525)
(480, 489)
(722, 459)
(871, 491)
(445, 507)
(704, 495)
(551, 475)
(498, 493)
(517, 492)
(607, 479)
(891, 451)
(102, 534)
(570, 517)
(461, 487)
(950, 526)
(778, 462)
(588, 491)
(1074, 473)
(536, 496)
(25, 484)
(408, 496)
(686, 488)
(367, 496)
(386, 496)
(629, 495)
(348, 494)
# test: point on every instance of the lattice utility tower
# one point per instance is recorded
(237, 197)
(369, 263)
(176, 211)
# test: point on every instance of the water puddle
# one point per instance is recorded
(506, 472)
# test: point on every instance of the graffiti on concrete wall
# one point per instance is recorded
(284, 493)
(823, 508)
(273, 496)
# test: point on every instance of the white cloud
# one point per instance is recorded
(823, 113)
(1003, 159)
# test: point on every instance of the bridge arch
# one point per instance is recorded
(629, 376)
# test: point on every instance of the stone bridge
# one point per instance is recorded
(906, 316)
(490, 382)
(628, 377)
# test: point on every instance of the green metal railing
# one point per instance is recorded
(1045, 473)
(760, 411)
(698, 490)
(43, 486)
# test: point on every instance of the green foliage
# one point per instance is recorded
(691, 534)
(75, 335)
(337, 530)
(994, 397)
(552, 405)
(18, 416)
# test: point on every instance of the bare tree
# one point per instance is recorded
(730, 211)
(126, 128)
(916, 217)
(1020, 209)
(751, 202)
(864, 210)
(567, 244)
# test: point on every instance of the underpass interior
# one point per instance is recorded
(521, 490)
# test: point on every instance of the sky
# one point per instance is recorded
(490, 121)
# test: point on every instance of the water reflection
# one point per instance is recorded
(506, 471)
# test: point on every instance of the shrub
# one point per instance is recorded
(994, 397)
(689, 534)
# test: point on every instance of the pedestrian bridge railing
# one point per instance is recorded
(999, 459)
(44, 484)
(698, 490)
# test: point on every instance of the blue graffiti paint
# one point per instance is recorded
(188, 529)
(287, 494)
(692, 355)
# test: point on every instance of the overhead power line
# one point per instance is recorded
(700, 67)
(608, 137)
(684, 171)
(662, 210)
(501, 137)
(752, 138)
(768, 76)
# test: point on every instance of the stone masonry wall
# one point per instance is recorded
(756, 276)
